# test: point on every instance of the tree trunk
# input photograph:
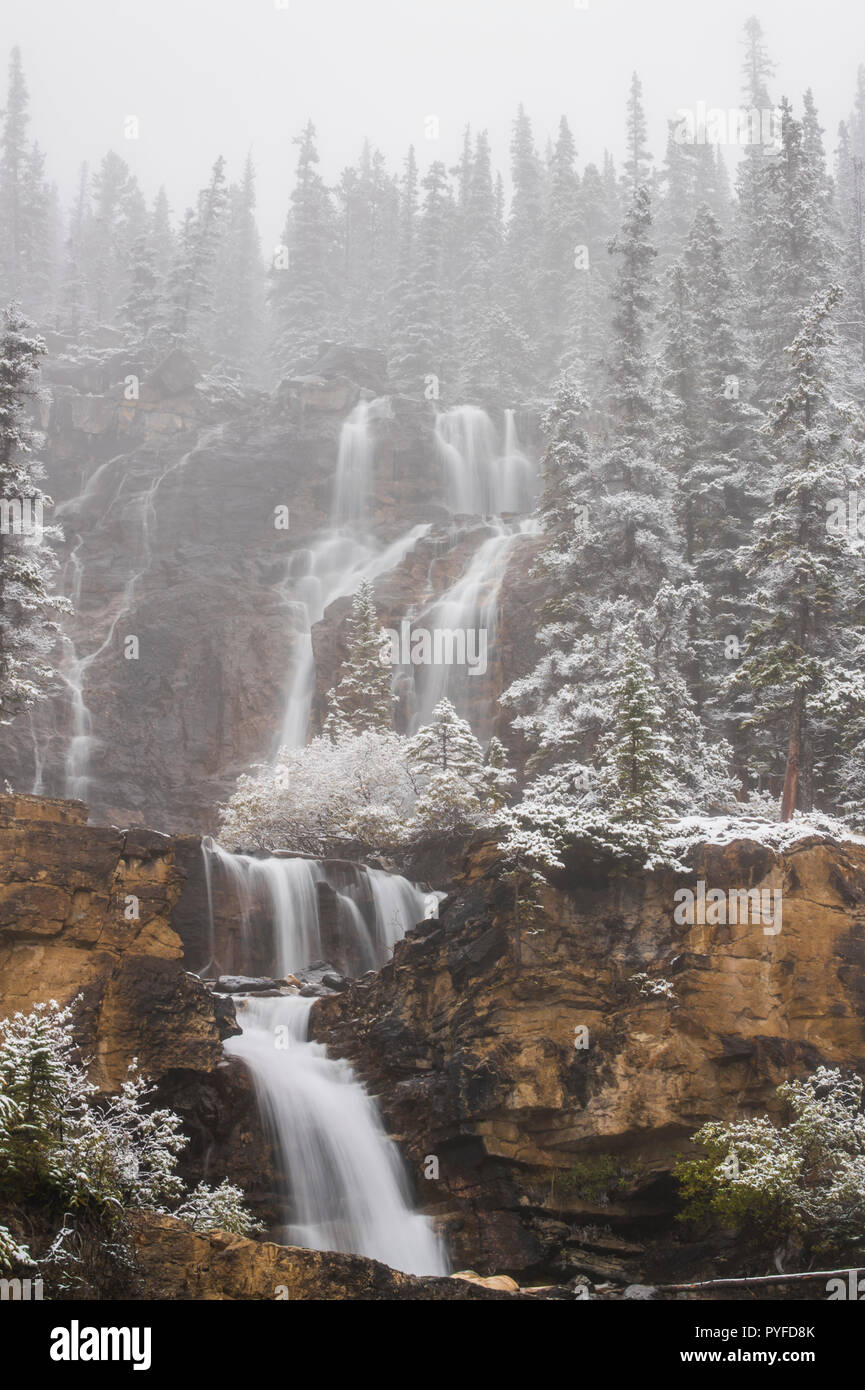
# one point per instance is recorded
(790, 797)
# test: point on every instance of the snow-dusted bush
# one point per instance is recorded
(11, 1252)
(217, 1208)
(354, 786)
(65, 1151)
(372, 788)
(803, 1177)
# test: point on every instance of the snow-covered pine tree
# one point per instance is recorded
(851, 211)
(638, 165)
(803, 652)
(492, 353)
(523, 239)
(562, 282)
(447, 744)
(191, 287)
(456, 789)
(499, 777)
(368, 239)
(421, 340)
(118, 221)
(712, 442)
(363, 698)
(751, 192)
(28, 610)
(235, 333)
(632, 541)
(27, 249)
(303, 290)
(635, 770)
(795, 255)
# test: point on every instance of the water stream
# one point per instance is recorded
(346, 1188)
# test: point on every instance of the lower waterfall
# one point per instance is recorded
(348, 1191)
(346, 1187)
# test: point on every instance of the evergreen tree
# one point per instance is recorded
(523, 243)
(191, 283)
(422, 329)
(711, 440)
(751, 189)
(363, 700)
(447, 744)
(235, 332)
(564, 278)
(116, 226)
(851, 211)
(639, 161)
(304, 291)
(28, 610)
(802, 651)
(635, 766)
(26, 244)
(492, 352)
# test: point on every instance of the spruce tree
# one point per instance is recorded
(303, 289)
(191, 283)
(803, 648)
(447, 744)
(363, 699)
(635, 765)
(28, 610)
(639, 161)
(27, 251)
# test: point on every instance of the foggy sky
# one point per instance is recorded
(209, 77)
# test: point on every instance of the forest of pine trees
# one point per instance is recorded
(692, 335)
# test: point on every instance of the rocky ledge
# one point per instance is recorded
(544, 1081)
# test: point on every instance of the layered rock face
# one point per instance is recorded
(541, 1080)
(550, 1092)
(190, 531)
(180, 1264)
(86, 911)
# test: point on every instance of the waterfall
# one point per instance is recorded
(373, 909)
(75, 774)
(483, 476)
(333, 567)
(353, 467)
(471, 604)
(347, 1188)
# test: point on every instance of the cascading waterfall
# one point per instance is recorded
(347, 1190)
(81, 741)
(374, 908)
(470, 605)
(354, 464)
(483, 476)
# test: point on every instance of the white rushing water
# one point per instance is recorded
(374, 909)
(484, 476)
(347, 1188)
(471, 604)
(139, 515)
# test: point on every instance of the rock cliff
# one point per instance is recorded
(553, 1095)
